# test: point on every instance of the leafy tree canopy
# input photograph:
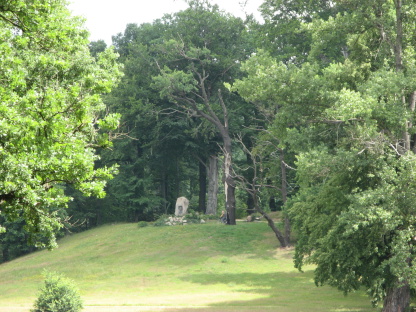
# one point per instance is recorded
(347, 111)
(50, 106)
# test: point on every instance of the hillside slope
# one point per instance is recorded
(212, 266)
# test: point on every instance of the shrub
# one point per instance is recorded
(240, 213)
(142, 224)
(212, 217)
(161, 221)
(194, 217)
(58, 294)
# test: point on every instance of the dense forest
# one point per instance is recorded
(310, 112)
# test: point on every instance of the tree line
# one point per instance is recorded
(310, 111)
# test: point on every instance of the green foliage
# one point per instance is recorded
(156, 155)
(194, 217)
(160, 155)
(142, 224)
(212, 217)
(348, 117)
(174, 81)
(346, 222)
(97, 47)
(241, 213)
(161, 220)
(58, 294)
(50, 91)
(13, 242)
(286, 34)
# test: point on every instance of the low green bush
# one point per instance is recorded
(194, 217)
(241, 213)
(58, 294)
(142, 224)
(212, 217)
(161, 221)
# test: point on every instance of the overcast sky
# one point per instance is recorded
(105, 18)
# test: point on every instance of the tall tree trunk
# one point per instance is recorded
(412, 106)
(202, 186)
(397, 299)
(212, 169)
(284, 194)
(398, 47)
(250, 177)
(410, 145)
(229, 184)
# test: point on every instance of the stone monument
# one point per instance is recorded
(181, 207)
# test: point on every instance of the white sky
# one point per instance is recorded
(106, 18)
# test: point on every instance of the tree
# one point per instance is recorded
(50, 106)
(13, 242)
(203, 59)
(58, 294)
(97, 47)
(282, 34)
(159, 154)
(350, 122)
(277, 90)
(255, 186)
(212, 169)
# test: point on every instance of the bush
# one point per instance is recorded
(142, 224)
(161, 221)
(240, 213)
(58, 294)
(194, 217)
(212, 217)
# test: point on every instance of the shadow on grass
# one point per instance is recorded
(280, 291)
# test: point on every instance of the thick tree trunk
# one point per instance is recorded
(212, 169)
(202, 186)
(397, 299)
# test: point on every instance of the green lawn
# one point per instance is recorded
(211, 266)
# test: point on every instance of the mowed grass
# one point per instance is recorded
(210, 267)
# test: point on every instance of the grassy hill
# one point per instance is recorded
(210, 267)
